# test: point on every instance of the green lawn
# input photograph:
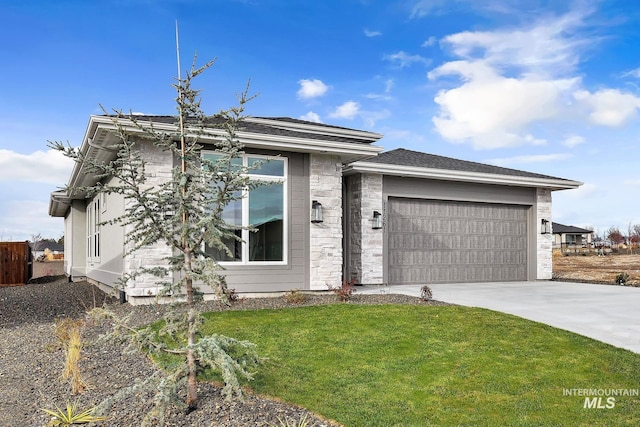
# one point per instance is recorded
(406, 365)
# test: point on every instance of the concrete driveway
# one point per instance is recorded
(607, 313)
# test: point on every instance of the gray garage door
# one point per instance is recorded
(433, 241)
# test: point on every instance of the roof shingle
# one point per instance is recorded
(404, 157)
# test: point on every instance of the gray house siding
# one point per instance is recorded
(110, 265)
(396, 188)
(75, 249)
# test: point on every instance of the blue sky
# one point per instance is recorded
(545, 86)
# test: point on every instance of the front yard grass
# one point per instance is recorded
(406, 365)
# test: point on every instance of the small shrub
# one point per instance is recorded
(425, 293)
(344, 291)
(622, 279)
(287, 422)
(71, 416)
(294, 296)
(69, 333)
(234, 296)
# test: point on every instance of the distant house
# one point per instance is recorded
(337, 208)
(570, 236)
(38, 248)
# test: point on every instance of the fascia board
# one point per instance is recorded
(316, 129)
(350, 151)
(453, 175)
(265, 141)
(59, 202)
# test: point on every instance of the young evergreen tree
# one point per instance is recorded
(186, 213)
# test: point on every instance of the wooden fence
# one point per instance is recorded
(16, 263)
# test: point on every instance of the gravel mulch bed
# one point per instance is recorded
(31, 360)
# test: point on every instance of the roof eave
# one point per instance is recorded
(349, 152)
(99, 135)
(59, 203)
(317, 129)
(454, 175)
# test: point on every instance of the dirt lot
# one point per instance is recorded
(600, 269)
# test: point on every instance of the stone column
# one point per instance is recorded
(325, 182)
(366, 243)
(159, 170)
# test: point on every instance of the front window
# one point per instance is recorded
(262, 209)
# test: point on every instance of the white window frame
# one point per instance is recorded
(284, 179)
(93, 230)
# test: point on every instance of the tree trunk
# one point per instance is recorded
(192, 368)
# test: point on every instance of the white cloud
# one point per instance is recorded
(378, 96)
(490, 110)
(403, 59)
(421, 8)
(403, 136)
(388, 85)
(22, 218)
(512, 80)
(349, 110)
(49, 167)
(536, 158)
(311, 88)
(609, 107)
(633, 73)
(370, 33)
(371, 117)
(573, 140)
(547, 47)
(586, 191)
(311, 117)
(429, 42)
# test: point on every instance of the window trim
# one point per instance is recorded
(284, 179)
(93, 230)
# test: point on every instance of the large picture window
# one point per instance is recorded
(263, 209)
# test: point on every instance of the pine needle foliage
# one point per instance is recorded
(185, 213)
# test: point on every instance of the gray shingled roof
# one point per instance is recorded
(403, 157)
(261, 128)
(568, 229)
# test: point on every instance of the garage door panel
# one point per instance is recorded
(440, 241)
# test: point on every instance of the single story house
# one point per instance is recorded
(341, 208)
(39, 248)
(568, 235)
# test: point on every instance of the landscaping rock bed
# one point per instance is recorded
(32, 358)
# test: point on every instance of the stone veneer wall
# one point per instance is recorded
(365, 243)
(159, 169)
(545, 241)
(354, 227)
(325, 238)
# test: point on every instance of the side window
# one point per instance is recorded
(93, 230)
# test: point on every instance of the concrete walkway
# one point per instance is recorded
(607, 313)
